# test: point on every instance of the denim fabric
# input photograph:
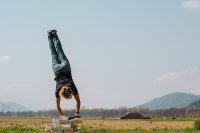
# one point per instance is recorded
(60, 63)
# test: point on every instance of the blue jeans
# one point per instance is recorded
(60, 63)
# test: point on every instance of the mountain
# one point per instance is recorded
(11, 107)
(176, 100)
(194, 105)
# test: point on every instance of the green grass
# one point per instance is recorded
(19, 129)
(91, 130)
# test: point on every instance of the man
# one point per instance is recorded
(65, 86)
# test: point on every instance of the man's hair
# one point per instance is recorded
(65, 92)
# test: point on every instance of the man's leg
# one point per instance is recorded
(54, 53)
(60, 51)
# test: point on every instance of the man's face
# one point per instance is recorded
(68, 97)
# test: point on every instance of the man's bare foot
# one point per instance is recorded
(49, 32)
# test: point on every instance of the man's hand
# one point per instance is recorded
(77, 115)
(62, 116)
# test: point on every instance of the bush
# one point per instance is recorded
(197, 124)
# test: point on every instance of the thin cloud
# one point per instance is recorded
(4, 59)
(169, 77)
(191, 5)
(185, 80)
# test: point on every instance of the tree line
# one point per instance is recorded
(112, 113)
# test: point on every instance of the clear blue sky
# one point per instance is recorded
(122, 53)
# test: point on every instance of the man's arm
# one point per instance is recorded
(58, 107)
(78, 103)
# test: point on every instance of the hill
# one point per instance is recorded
(194, 105)
(176, 100)
(11, 107)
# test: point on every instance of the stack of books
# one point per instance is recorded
(64, 125)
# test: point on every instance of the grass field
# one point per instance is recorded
(36, 125)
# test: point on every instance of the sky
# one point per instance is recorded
(122, 53)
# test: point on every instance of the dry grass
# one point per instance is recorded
(141, 124)
(39, 123)
(36, 123)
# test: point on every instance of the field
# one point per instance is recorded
(36, 125)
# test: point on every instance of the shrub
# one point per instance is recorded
(197, 124)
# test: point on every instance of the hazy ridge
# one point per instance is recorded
(171, 100)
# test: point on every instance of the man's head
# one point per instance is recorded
(65, 92)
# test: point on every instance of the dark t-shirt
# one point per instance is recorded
(62, 80)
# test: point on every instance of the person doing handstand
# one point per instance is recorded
(65, 86)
